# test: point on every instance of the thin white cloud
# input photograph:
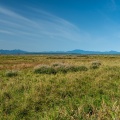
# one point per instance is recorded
(5, 32)
(9, 23)
(44, 26)
(58, 26)
(12, 14)
(55, 18)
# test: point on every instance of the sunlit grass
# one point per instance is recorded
(93, 94)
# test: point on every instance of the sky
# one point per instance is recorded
(60, 25)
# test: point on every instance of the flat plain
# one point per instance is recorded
(85, 87)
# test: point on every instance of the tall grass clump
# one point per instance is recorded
(71, 68)
(46, 69)
(82, 68)
(95, 64)
(58, 68)
(11, 73)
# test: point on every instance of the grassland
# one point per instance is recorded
(91, 94)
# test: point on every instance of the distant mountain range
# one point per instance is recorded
(77, 51)
(13, 51)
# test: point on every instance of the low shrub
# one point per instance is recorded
(58, 67)
(82, 68)
(44, 69)
(95, 64)
(11, 73)
(71, 68)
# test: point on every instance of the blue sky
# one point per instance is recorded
(60, 25)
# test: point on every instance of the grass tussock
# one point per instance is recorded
(46, 69)
(58, 68)
(95, 64)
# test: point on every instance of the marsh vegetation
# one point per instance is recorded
(59, 87)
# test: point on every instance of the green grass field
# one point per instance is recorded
(66, 93)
